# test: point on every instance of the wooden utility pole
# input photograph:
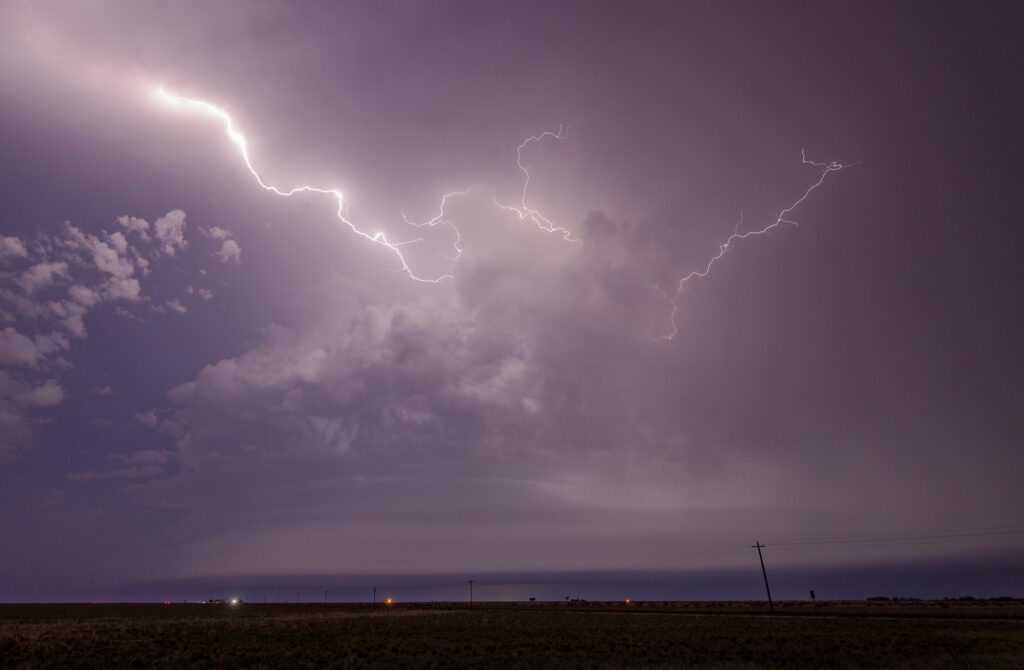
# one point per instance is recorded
(374, 595)
(470, 593)
(758, 545)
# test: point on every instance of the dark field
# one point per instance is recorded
(501, 635)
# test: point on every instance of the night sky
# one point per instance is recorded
(206, 384)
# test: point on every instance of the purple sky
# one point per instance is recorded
(201, 379)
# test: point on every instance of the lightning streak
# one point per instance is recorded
(780, 219)
(441, 220)
(524, 211)
(238, 139)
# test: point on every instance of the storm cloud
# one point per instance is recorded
(255, 389)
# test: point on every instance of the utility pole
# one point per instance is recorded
(758, 545)
(374, 595)
(470, 593)
(325, 597)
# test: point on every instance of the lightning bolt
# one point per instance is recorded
(524, 211)
(378, 238)
(440, 219)
(781, 218)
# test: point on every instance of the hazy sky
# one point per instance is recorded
(201, 378)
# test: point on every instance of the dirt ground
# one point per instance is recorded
(904, 634)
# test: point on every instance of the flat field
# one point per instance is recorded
(933, 635)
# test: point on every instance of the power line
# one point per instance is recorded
(897, 539)
(1008, 529)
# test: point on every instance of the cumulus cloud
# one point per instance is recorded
(51, 343)
(110, 259)
(170, 230)
(42, 274)
(19, 350)
(307, 395)
(15, 429)
(100, 268)
(16, 349)
(12, 246)
(69, 314)
(119, 242)
(147, 419)
(230, 252)
(216, 232)
(127, 288)
(83, 295)
(53, 282)
(47, 394)
(135, 225)
(501, 367)
(18, 398)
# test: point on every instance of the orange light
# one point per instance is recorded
(627, 601)
(388, 601)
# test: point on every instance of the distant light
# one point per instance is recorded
(167, 602)
(388, 601)
(627, 601)
(234, 601)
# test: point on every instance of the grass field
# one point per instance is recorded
(504, 635)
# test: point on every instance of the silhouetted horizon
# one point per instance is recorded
(993, 577)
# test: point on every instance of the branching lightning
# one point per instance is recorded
(238, 139)
(441, 220)
(780, 219)
(523, 210)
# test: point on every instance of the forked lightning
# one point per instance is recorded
(523, 211)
